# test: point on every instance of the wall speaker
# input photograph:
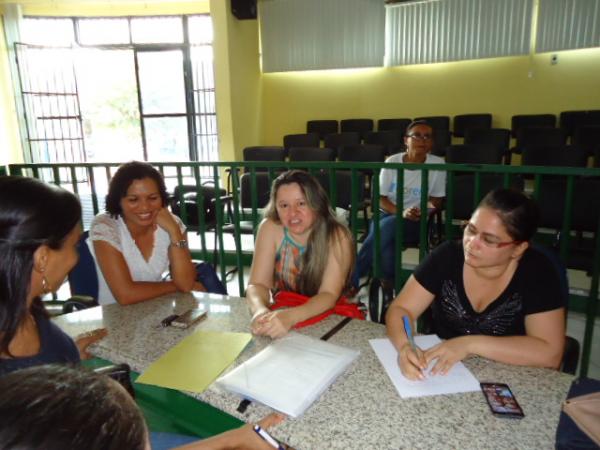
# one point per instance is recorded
(244, 9)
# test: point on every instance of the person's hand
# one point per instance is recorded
(412, 362)
(412, 213)
(198, 287)
(274, 324)
(247, 439)
(447, 354)
(86, 339)
(166, 221)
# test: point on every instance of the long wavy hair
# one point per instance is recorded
(32, 213)
(325, 233)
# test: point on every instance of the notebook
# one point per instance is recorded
(290, 374)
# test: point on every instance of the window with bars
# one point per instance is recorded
(116, 89)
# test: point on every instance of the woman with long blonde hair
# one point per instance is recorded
(300, 247)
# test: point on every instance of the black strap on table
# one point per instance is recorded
(245, 403)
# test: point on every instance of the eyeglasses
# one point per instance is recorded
(488, 240)
(421, 137)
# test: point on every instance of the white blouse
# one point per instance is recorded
(115, 232)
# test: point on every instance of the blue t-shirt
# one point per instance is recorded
(55, 347)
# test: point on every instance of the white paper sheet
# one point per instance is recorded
(458, 379)
(290, 374)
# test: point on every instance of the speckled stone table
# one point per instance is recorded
(361, 410)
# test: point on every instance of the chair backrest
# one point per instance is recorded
(393, 125)
(361, 126)
(336, 140)
(441, 141)
(391, 140)
(474, 154)
(531, 120)
(362, 153)
(311, 154)
(438, 123)
(571, 121)
(322, 127)
(464, 122)
(261, 186)
(83, 278)
(208, 212)
(498, 137)
(264, 153)
(557, 156)
(540, 136)
(343, 183)
(301, 140)
(588, 138)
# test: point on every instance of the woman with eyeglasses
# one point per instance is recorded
(492, 295)
(419, 142)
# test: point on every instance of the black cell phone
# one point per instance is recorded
(188, 318)
(501, 400)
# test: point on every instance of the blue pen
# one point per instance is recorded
(267, 437)
(409, 334)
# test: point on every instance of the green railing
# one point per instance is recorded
(90, 180)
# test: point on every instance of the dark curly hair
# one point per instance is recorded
(122, 179)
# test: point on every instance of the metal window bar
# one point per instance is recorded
(52, 173)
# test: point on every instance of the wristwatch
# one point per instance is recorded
(180, 244)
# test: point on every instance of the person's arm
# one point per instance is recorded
(117, 276)
(542, 346)
(277, 323)
(258, 292)
(239, 439)
(182, 269)
(387, 205)
(436, 202)
(411, 302)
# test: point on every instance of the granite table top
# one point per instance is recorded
(362, 409)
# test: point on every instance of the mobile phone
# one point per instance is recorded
(501, 400)
(188, 318)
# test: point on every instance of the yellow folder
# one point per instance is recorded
(194, 363)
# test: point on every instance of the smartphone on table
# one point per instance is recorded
(189, 317)
(501, 400)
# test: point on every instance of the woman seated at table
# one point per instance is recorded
(300, 247)
(494, 296)
(39, 230)
(138, 239)
(70, 408)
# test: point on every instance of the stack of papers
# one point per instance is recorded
(458, 379)
(290, 374)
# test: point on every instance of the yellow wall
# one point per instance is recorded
(502, 86)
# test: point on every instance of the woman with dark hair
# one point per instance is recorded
(69, 408)
(494, 296)
(138, 239)
(300, 247)
(39, 230)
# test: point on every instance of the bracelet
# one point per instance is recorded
(180, 244)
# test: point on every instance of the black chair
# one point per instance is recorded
(497, 138)
(362, 153)
(474, 154)
(264, 153)
(343, 184)
(300, 140)
(391, 140)
(260, 188)
(438, 123)
(322, 127)
(520, 121)
(539, 137)
(393, 125)
(335, 140)
(571, 121)
(585, 211)
(200, 213)
(311, 154)
(588, 138)
(560, 156)
(464, 122)
(360, 126)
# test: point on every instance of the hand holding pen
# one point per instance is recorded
(411, 359)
